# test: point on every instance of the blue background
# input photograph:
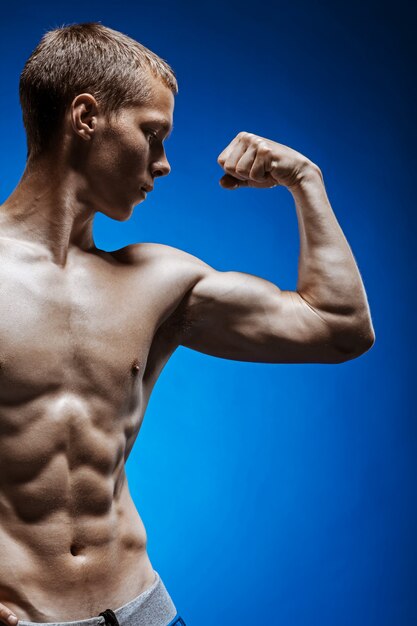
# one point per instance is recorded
(273, 494)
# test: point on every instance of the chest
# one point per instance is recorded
(87, 328)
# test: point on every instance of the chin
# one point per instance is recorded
(120, 214)
(122, 209)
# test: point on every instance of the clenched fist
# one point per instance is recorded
(252, 161)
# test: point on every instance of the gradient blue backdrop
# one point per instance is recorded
(273, 494)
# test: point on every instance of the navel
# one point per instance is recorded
(75, 550)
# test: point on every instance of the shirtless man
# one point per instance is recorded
(85, 333)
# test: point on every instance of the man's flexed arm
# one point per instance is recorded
(244, 317)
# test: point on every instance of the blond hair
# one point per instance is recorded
(79, 58)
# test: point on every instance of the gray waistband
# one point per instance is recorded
(153, 607)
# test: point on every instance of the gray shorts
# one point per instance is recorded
(153, 607)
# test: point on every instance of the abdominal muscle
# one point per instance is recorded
(72, 543)
(65, 569)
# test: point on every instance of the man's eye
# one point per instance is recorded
(152, 135)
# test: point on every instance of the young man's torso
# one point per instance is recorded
(81, 348)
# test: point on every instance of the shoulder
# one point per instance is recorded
(173, 274)
(176, 274)
(145, 251)
(163, 258)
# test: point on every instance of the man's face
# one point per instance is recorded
(128, 153)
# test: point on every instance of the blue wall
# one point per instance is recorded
(273, 494)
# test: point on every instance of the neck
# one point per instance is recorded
(51, 207)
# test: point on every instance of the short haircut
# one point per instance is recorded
(84, 58)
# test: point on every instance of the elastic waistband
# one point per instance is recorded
(153, 607)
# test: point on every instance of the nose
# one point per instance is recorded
(161, 167)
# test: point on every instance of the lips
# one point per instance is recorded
(147, 188)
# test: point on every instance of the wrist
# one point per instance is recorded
(309, 174)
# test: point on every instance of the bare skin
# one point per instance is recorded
(86, 333)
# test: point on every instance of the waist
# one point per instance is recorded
(152, 607)
(65, 568)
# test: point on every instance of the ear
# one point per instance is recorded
(84, 110)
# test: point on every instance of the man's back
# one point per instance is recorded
(80, 352)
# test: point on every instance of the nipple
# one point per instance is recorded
(135, 367)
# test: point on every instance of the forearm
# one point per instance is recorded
(329, 281)
(328, 276)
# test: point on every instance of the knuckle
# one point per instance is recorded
(263, 147)
(245, 135)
